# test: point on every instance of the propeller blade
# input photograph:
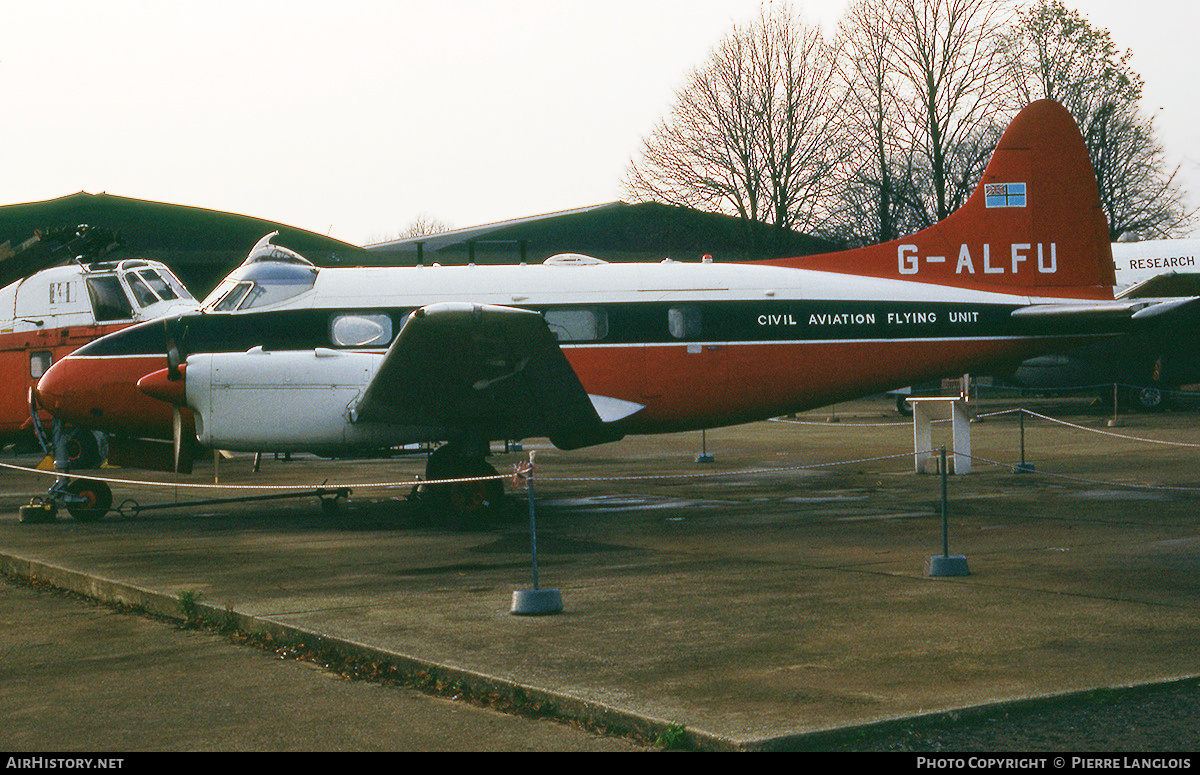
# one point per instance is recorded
(183, 449)
(175, 355)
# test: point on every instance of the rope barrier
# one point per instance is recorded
(411, 482)
(525, 472)
(1084, 480)
(840, 424)
(264, 487)
(1108, 433)
(1000, 413)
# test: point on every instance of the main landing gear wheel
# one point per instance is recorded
(1149, 399)
(460, 505)
(92, 499)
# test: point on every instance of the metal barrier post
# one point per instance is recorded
(534, 602)
(946, 565)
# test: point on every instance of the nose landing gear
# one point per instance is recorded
(86, 500)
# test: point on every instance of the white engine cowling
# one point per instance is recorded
(282, 401)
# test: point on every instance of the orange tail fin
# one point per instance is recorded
(1034, 226)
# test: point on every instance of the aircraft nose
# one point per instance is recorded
(61, 390)
(102, 394)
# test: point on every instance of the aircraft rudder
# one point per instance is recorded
(1033, 225)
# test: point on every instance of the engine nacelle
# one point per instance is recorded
(282, 401)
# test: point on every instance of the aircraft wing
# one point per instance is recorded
(495, 369)
(1120, 309)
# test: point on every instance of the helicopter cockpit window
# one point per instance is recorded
(158, 284)
(109, 301)
(141, 292)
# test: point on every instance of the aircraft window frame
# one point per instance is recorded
(684, 322)
(341, 329)
(159, 284)
(108, 298)
(232, 299)
(577, 324)
(176, 284)
(142, 294)
(267, 294)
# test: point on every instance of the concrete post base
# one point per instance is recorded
(536, 602)
(940, 565)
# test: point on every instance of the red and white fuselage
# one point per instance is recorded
(288, 356)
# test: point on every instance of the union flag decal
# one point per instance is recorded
(1004, 194)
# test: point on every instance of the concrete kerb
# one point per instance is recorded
(550, 704)
(422, 674)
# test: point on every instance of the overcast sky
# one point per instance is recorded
(352, 118)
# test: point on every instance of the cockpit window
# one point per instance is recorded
(267, 292)
(228, 296)
(141, 292)
(269, 275)
(158, 284)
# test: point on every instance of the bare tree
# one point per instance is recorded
(951, 57)
(421, 226)
(751, 131)
(1060, 56)
(925, 88)
(798, 105)
(424, 225)
(869, 201)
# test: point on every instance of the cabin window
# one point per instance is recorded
(358, 329)
(109, 302)
(585, 324)
(684, 322)
(39, 363)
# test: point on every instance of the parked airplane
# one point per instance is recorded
(286, 356)
(1147, 368)
(52, 312)
(1161, 267)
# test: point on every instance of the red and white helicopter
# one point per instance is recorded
(286, 356)
(52, 312)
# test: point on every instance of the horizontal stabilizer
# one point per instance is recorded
(1163, 285)
(1132, 309)
(1094, 311)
